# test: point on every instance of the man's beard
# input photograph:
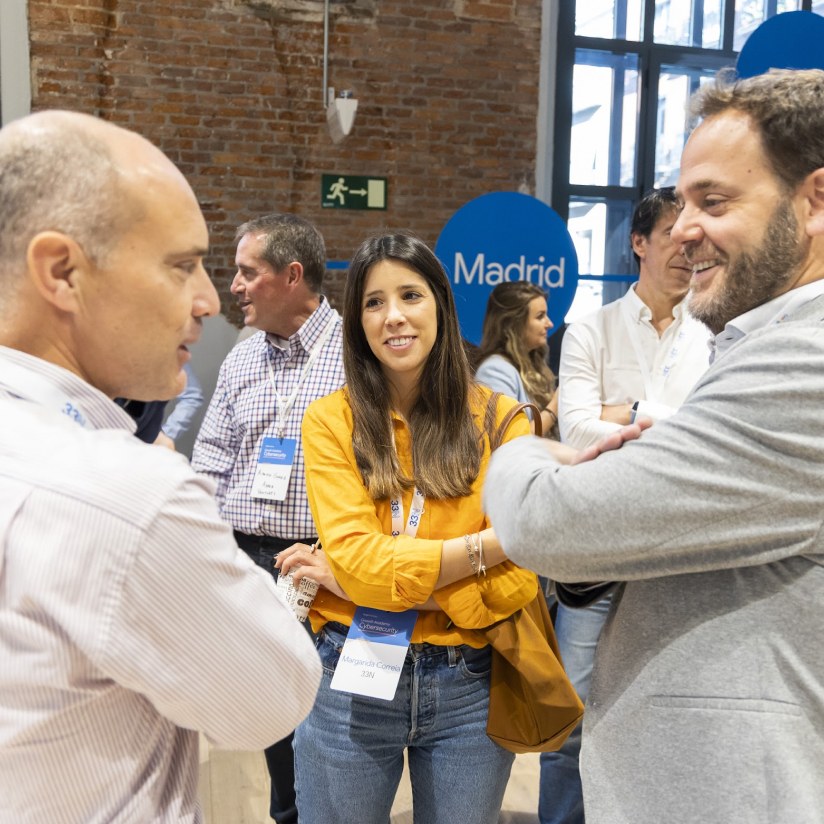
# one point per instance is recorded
(754, 277)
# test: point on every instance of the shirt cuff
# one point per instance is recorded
(417, 565)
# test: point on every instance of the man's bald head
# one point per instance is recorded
(101, 254)
(70, 173)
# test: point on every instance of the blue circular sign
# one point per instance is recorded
(792, 40)
(506, 236)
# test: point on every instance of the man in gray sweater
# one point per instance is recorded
(707, 699)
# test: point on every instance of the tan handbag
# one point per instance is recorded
(533, 707)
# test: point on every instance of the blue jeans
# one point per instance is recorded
(561, 800)
(349, 751)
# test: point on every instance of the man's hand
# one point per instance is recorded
(561, 452)
(165, 440)
(620, 414)
(615, 440)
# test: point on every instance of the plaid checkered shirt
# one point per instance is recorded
(244, 411)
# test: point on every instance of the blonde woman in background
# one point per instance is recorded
(514, 349)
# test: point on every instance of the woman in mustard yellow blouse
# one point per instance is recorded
(395, 464)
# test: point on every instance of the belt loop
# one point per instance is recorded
(453, 657)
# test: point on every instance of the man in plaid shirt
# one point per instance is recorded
(264, 387)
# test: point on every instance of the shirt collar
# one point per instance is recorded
(308, 334)
(101, 411)
(773, 311)
(640, 311)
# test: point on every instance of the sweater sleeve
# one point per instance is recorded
(733, 479)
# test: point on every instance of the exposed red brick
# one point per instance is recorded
(448, 93)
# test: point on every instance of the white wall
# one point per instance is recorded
(218, 337)
(546, 101)
(15, 71)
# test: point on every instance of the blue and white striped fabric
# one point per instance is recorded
(129, 619)
(244, 411)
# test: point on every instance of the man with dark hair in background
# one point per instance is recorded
(706, 701)
(122, 593)
(640, 355)
(264, 387)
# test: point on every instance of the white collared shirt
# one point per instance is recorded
(600, 365)
(773, 311)
(128, 617)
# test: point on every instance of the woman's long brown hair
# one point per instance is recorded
(507, 312)
(446, 440)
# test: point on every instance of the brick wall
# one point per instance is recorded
(231, 91)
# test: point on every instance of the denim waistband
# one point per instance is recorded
(340, 631)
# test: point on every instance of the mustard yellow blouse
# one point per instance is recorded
(395, 574)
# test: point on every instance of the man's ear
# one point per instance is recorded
(639, 244)
(812, 190)
(55, 262)
(295, 273)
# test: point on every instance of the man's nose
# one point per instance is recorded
(685, 230)
(206, 303)
(235, 287)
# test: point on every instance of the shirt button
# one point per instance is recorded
(270, 507)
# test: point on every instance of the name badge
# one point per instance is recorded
(372, 657)
(274, 468)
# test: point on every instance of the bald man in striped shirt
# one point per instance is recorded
(129, 620)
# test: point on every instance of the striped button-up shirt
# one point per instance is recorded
(244, 411)
(128, 617)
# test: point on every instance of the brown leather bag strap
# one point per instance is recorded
(497, 436)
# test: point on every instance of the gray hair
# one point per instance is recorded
(56, 178)
(290, 238)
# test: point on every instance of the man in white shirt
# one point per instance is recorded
(640, 355)
(129, 620)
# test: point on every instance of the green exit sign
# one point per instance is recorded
(353, 192)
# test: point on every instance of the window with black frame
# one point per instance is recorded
(625, 72)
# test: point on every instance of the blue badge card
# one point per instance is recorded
(274, 468)
(372, 658)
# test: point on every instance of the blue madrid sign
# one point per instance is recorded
(792, 40)
(506, 236)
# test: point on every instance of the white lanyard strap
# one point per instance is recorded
(285, 408)
(37, 389)
(652, 387)
(415, 512)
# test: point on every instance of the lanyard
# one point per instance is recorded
(651, 390)
(36, 389)
(285, 408)
(415, 512)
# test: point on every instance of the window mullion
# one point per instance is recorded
(729, 25)
(697, 23)
(616, 122)
(620, 19)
